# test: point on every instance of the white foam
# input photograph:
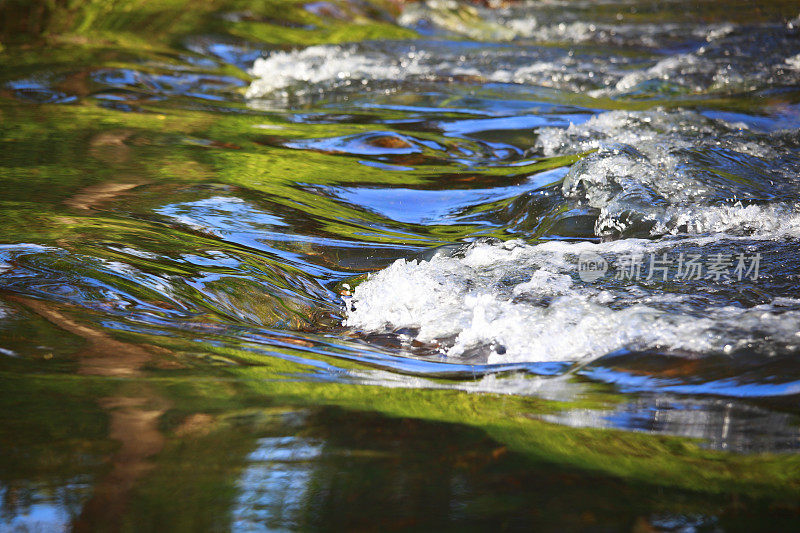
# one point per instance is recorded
(321, 68)
(714, 68)
(329, 63)
(793, 62)
(603, 73)
(756, 221)
(649, 174)
(527, 299)
(628, 127)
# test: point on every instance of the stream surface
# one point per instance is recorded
(239, 266)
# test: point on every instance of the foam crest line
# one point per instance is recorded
(517, 302)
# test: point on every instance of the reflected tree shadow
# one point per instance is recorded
(133, 419)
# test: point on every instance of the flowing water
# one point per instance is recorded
(333, 265)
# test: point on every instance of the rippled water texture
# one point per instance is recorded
(316, 265)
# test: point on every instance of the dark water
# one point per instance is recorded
(190, 204)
